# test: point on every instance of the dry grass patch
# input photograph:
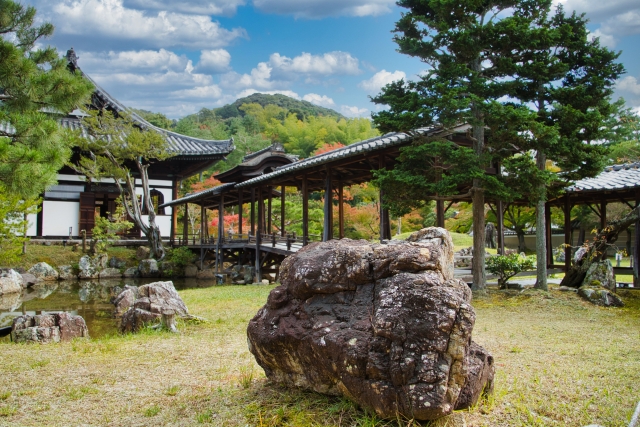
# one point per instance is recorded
(560, 362)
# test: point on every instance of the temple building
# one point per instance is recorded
(73, 204)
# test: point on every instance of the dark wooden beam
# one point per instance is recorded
(340, 210)
(269, 205)
(282, 210)
(305, 211)
(327, 229)
(240, 195)
(253, 211)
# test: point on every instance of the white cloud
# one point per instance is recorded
(321, 100)
(330, 63)
(354, 111)
(139, 61)
(110, 20)
(381, 79)
(605, 39)
(214, 61)
(280, 71)
(629, 84)
(323, 8)
(211, 92)
(202, 7)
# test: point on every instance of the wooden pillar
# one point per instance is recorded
(440, 213)
(258, 264)
(220, 233)
(385, 223)
(240, 212)
(270, 198)
(547, 220)
(174, 213)
(636, 249)
(327, 229)
(305, 211)
(567, 233)
(185, 223)
(253, 211)
(282, 203)
(340, 210)
(500, 207)
(603, 214)
(202, 223)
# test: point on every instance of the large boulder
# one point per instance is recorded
(599, 295)
(149, 268)
(601, 273)
(44, 272)
(151, 302)
(190, 270)
(110, 272)
(90, 267)
(10, 282)
(384, 325)
(47, 328)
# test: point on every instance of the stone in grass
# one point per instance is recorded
(151, 302)
(599, 295)
(44, 272)
(601, 273)
(48, 328)
(385, 325)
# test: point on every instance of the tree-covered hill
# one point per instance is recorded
(302, 109)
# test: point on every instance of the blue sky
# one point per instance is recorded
(178, 57)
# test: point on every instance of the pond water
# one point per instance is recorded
(87, 298)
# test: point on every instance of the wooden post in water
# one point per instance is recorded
(269, 204)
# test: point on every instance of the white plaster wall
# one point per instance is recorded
(33, 229)
(163, 222)
(59, 216)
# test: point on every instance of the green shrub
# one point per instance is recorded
(507, 266)
(181, 257)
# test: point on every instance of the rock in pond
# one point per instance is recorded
(11, 282)
(149, 268)
(90, 267)
(44, 272)
(385, 325)
(47, 328)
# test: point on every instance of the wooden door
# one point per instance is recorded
(87, 212)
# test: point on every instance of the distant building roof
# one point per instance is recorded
(358, 148)
(258, 163)
(616, 177)
(177, 144)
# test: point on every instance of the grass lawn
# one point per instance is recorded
(56, 255)
(560, 362)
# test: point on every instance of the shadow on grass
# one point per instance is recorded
(270, 405)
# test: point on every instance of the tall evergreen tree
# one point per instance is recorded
(562, 83)
(466, 77)
(35, 86)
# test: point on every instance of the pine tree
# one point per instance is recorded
(35, 88)
(465, 78)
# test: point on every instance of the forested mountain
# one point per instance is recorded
(302, 109)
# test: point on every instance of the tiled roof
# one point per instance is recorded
(388, 140)
(615, 177)
(177, 144)
(194, 196)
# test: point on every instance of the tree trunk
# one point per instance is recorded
(477, 200)
(522, 247)
(596, 250)
(541, 231)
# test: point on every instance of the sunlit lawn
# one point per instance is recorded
(560, 362)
